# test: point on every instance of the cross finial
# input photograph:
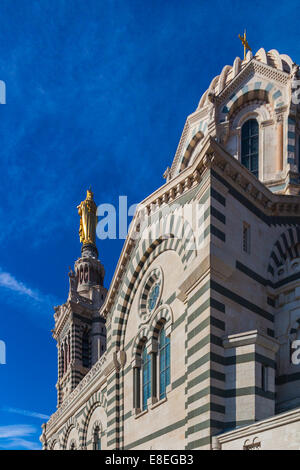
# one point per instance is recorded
(245, 43)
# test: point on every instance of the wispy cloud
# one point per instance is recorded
(24, 443)
(14, 437)
(32, 414)
(10, 282)
(16, 430)
(33, 301)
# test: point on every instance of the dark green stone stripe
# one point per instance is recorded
(218, 215)
(269, 220)
(209, 423)
(199, 310)
(207, 407)
(250, 357)
(218, 197)
(208, 303)
(154, 435)
(207, 322)
(241, 267)
(179, 381)
(198, 294)
(127, 415)
(198, 443)
(178, 321)
(204, 359)
(213, 374)
(241, 301)
(209, 390)
(171, 299)
(217, 233)
(240, 392)
(209, 339)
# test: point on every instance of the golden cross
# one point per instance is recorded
(245, 43)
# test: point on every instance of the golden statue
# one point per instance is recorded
(88, 219)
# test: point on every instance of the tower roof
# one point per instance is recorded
(272, 58)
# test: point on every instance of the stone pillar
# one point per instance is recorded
(215, 444)
(152, 349)
(250, 377)
(136, 389)
(113, 409)
(205, 383)
(154, 397)
(279, 148)
(97, 338)
(136, 368)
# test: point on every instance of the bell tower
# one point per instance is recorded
(79, 330)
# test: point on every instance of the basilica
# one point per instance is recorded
(194, 344)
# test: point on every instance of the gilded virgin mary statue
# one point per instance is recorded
(88, 219)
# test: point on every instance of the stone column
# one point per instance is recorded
(136, 364)
(250, 399)
(113, 408)
(153, 377)
(136, 388)
(153, 349)
(279, 148)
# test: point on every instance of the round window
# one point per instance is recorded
(153, 296)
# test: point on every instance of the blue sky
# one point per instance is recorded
(97, 93)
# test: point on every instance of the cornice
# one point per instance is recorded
(239, 177)
(270, 423)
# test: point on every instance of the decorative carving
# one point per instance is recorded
(167, 174)
(254, 445)
(72, 282)
(212, 112)
(208, 160)
(295, 70)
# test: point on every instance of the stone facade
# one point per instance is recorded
(214, 276)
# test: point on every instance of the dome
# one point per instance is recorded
(272, 58)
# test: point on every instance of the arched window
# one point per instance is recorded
(96, 439)
(164, 363)
(250, 146)
(146, 369)
(85, 349)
